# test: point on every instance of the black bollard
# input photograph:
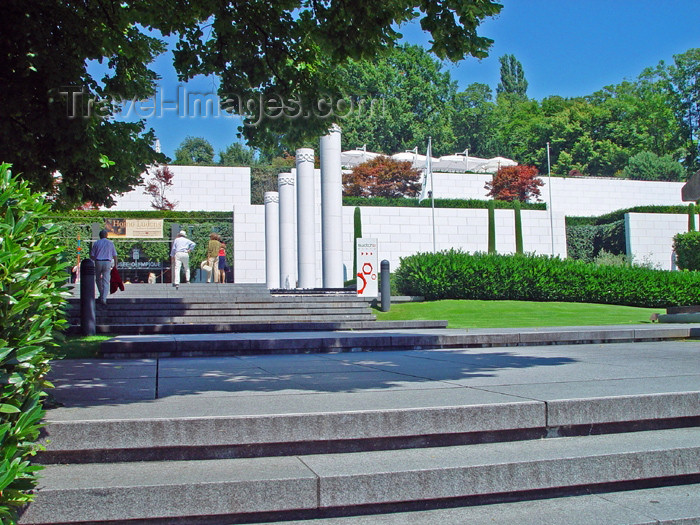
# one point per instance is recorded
(386, 286)
(87, 297)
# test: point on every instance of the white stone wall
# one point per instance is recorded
(195, 188)
(582, 197)
(649, 237)
(405, 231)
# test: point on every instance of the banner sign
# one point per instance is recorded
(367, 267)
(134, 228)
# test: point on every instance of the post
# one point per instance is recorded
(549, 204)
(386, 286)
(287, 242)
(331, 210)
(306, 223)
(87, 297)
(272, 239)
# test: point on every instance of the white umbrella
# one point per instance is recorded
(457, 163)
(353, 157)
(418, 161)
(492, 165)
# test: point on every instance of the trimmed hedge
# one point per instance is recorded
(687, 248)
(586, 241)
(619, 215)
(32, 299)
(439, 203)
(457, 275)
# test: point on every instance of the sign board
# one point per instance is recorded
(690, 192)
(134, 228)
(367, 267)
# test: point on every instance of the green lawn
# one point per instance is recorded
(81, 347)
(514, 314)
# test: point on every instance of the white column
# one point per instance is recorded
(306, 223)
(332, 210)
(287, 242)
(272, 239)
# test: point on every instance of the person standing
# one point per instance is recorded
(213, 257)
(180, 256)
(222, 263)
(104, 254)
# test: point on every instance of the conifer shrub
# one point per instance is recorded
(687, 248)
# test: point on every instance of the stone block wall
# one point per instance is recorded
(649, 237)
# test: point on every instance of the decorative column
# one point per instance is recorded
(306, 224)
(285, 185)
(272, 239)
(332, 210)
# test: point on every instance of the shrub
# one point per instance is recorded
(382, 177)
(515, 182)
(32, 297)
(586, 241)
(687, 248)
(458, 275)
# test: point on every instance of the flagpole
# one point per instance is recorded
(432, 192)
(549, 183)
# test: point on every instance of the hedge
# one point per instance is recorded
(587, 241)
(457, 275)
(439, 203)
(32, 301)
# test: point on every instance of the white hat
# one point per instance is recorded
(182, 233)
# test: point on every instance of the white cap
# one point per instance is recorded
(182, 233)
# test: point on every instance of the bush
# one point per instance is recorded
(32, 298)
(458, 275)
(515, 182)
(382, 177)
(687, 248)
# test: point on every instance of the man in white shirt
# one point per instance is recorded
(104, 254)
(180, 256)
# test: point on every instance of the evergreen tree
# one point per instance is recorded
(512, 77)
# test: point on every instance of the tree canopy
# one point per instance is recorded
(194, 151)
(55, 116)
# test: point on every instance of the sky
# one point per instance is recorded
(567, 47)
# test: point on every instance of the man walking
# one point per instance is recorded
(180, 256)
(104, 254)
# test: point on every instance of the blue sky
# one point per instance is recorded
(567, 48)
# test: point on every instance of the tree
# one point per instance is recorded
(649, 166)
(157, 186)
(194, 151)
(237, 154)
(684, 84)
(399, 100)
(512, 77)
(382, 177)
(515, 182)
(474, 125)
(286, 52)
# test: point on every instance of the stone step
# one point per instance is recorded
(233, 344)
(160, 490)
(171, 430)
(674, 505)
(261, 326)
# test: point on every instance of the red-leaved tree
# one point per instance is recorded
(515, 182)
(382, 177)
(156, 187)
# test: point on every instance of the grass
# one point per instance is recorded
(518, 314)
(81, 347)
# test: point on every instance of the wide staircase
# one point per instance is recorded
(208, 307)
(597, 460)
